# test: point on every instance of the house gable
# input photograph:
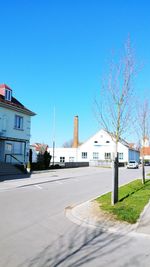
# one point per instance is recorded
(10, 102)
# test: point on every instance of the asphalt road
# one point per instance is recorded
(34, 231)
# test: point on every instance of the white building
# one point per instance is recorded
(97, 150)
(15, 124)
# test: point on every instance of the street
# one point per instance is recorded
(34, 231)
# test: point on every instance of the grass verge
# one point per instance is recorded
(132, 199)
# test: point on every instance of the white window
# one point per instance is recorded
(8, 95)
(84, 155)
(62, 159)
(18, 122)
(71, 159)
(120, 156)
(95, 155)
(107, 155)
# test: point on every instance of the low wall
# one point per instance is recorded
(71, 164)
(104, 163)
(100, 163)
(76, 164)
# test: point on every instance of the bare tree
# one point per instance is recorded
(114, 107)
(68, 143)
(143, 129)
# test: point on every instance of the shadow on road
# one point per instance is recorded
(80, 247)
(14, 177)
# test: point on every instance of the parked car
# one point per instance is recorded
(132, 164)
(147, 163)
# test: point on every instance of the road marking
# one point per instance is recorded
(39, 187)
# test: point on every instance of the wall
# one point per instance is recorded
(100, 143)
(68, 153)
(7, 120)
(134, 155)
(7, 129)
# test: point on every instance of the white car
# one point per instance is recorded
(132, 164)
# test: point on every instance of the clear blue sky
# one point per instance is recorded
(55, 53)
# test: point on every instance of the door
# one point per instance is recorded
(2, 157)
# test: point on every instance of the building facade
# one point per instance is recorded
(15, 124)
(97, 150)
(145, 149)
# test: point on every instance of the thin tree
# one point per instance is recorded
(114, 107)
(67, 144)
(143, 129)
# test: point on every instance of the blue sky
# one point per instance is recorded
(54, 54)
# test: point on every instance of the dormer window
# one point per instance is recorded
(8, 94)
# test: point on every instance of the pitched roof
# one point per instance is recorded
(5, 86)
(145, 151)
(14, 103)
(121, 140)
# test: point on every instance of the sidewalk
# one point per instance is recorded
(16, 181)
(88, 214)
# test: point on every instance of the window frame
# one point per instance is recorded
(62, 159)
(106, 156)
(120, 155)
(96, 155)
(84, 155)
(71, 159)
(18, 122)
(7, 94)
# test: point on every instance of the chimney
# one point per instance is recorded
(75, 137)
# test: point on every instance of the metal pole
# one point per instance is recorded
(54, 137)
(114, 198)
(53, 152)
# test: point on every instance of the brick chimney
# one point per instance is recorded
(75, 136)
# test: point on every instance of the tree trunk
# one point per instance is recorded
(115, 181)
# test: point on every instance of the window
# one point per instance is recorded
(120, 156)
(8, 147)
(84, 155)
(18, 148)
(71, 159)
(95, 155)
(7, 95)
(62, 159)
(18, 122)
(107, 155)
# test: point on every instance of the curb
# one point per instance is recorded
(82, 215)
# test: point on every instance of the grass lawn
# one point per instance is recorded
(132, 199)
